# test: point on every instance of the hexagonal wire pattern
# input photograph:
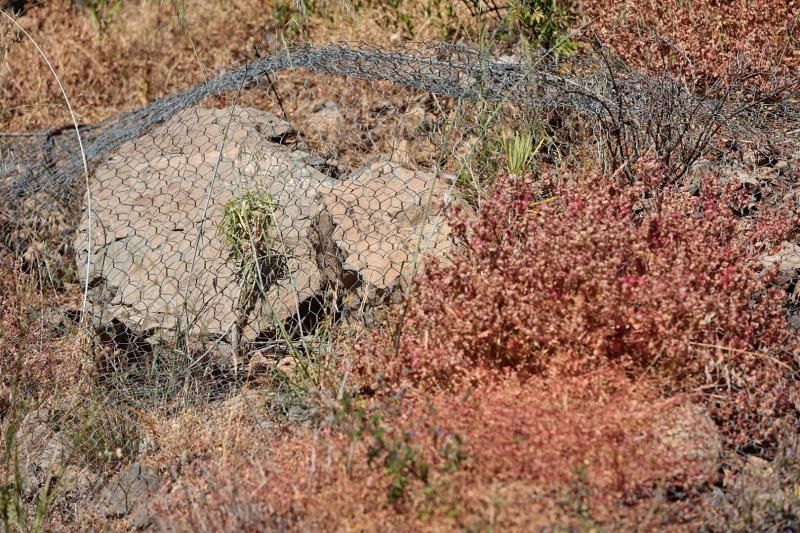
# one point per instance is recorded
(169, 243)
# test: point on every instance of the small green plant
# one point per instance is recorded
(444, 13)
(493, 145)
(519, 151)
(306, 7)
(398, 18)
(247, 226)
(248, 229)
(545, 23)
(576, 499)
(395, 450)
(290, 17)
(396, 454)
(102, 13)
(474, 176)
(327, 9)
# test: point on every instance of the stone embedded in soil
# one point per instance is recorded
(689, 436)
(786, 258)
(325, 119)
(41, 451)
(127, 494)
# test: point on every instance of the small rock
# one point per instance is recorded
(41, 450)
(60, 320)
(288, 366)
(511, 59)
(787, 258)
(5, 399)
(127, 494)
(259, 364)
(766, 175)
(746, 180)
(782, 166)
(325, 119)
(402, 152)
(250, 405)
(757, 467)
(77, 480)
(689, 433)
(693, 184)
(147, 444)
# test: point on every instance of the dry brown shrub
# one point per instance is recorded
(146, 52)
(150, 50)
(40, 349)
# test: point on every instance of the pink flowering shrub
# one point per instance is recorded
(597, 277)
(704, 40)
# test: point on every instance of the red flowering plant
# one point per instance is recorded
(596, 275)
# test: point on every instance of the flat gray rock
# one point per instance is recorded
(127, 494)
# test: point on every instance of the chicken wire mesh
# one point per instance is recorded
(211, 228)
(206, 228)
(596, 85)
(205, 220)
(203, 234)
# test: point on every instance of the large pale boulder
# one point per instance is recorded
(157, 263)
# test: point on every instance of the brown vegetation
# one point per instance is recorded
(702, 40)
(593, 354)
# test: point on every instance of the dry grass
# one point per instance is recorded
(593, 358)
(35, 329)
(505, 456)
(148, 51)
